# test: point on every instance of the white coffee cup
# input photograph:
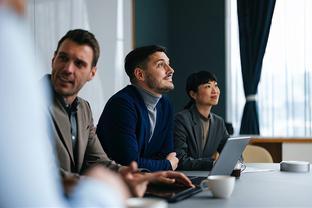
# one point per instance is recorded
(221, 186)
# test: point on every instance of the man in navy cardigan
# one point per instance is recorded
(136, 123)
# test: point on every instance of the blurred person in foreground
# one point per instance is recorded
(28, 176)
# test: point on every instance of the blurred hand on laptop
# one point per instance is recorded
(137, 181)
(171, 177)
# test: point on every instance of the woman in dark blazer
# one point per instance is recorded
(199, 134)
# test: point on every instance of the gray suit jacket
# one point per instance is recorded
(89, 150)
(188, 140)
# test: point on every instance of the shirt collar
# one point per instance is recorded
(150, 100)
(201, 116)
(69, 107)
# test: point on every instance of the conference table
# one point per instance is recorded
(260, 185)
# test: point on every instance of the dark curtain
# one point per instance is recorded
(254, 20)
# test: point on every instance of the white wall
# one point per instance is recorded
(297, 151)
(51, 19)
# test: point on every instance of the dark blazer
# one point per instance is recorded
(188, 139)
(124, 130)
(89, 150)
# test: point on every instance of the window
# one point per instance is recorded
(285, 88)
(110, 21)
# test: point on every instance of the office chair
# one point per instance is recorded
(256, 154)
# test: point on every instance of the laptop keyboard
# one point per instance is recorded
(174, 193)
(196, 180)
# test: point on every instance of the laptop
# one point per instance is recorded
(225, 164)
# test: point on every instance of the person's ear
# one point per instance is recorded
(139, 74)
(193, 94)
(92, 73)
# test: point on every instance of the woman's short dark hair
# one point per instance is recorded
(139, 57)
(82, 37)
(196, 79)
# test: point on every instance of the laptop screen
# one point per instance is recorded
(229, 156)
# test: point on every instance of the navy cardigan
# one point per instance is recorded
(124, 130)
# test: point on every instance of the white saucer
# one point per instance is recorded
(146, 203)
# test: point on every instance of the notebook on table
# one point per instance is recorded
(225, 164)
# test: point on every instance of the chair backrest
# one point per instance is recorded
(256, 154)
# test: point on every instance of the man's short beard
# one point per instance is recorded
(164, 90)
(152, 83)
